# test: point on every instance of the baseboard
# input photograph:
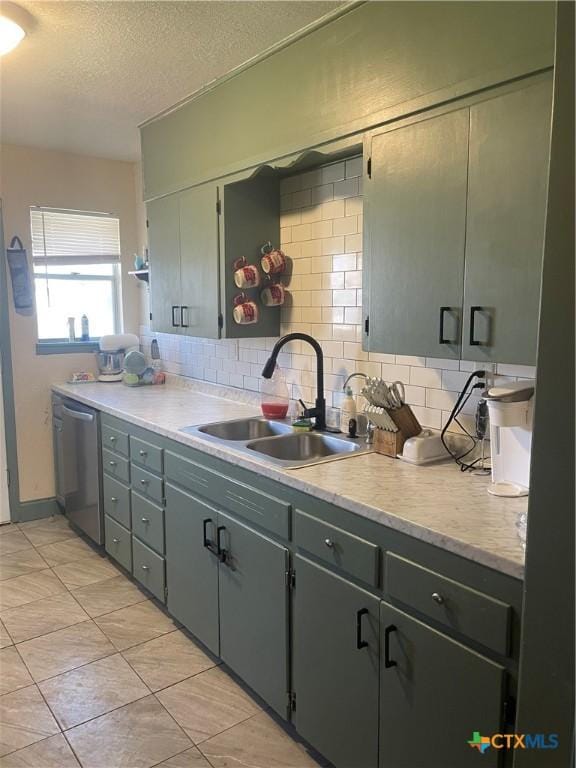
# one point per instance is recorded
(35, 510)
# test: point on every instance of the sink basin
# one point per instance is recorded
(303, 447)
(275, 442)
(242, 429)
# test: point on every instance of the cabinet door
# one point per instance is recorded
(434, 695)
(254, 610)
(509, 148)
(191, 566)
(200, 305)
(164, 246)
(336, 663)
(414, 215)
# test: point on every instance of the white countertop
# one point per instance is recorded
(435, 503)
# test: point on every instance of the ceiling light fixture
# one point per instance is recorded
(12, 30)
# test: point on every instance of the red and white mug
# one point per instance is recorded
(273, 260)
(245, 312)
(246, 276)
(273, 295)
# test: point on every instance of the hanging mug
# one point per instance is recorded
(273, 295)
(246, 275)
(245, 311)
(273, 260)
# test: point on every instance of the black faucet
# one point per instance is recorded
(319, 411)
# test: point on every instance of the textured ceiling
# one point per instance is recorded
(89, 72)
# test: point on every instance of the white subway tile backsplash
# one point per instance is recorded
(321, 226)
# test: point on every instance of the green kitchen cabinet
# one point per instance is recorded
(415, 217)
(253, 597)
(183, 244)
(163, 217)
(336, 666)
(454, 215)
(435, 694)
(195, 240)
(191, 565)
(507, 191)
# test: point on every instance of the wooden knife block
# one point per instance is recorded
(391, 443)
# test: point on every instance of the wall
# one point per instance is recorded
(40, 177)
(321, 231)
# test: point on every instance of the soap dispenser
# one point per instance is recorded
(347, 410)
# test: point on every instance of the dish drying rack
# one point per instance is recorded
(394, 420)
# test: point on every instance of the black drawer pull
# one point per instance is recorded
(175, 309)
(222, 551)
(388, 662)
(206, 541)
(473, 341)
(359, 642)
(441, 339)
(182, 323)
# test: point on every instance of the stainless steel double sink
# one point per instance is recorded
(276, 442)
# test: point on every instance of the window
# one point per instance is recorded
(76, 257)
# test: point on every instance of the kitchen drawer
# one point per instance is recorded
(118, 542)
(147, 483)
(115, 440)
(146, 454)
(148, 569)
(256, 507)
(449, 602)
(148, 522)
(115, 465)
(355, 556)
(116, 500)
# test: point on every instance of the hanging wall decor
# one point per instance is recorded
(20, 277)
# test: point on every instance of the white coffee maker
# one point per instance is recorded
(510, 410)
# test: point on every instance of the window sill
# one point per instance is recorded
(66, 347)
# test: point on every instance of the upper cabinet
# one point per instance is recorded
(507, 191)
(195, 237)
(453, 230)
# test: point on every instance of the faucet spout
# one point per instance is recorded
(319, 411)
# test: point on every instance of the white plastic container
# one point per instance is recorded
(347, 410)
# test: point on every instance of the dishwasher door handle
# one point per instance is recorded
(80, 415)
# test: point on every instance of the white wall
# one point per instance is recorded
(29, 177)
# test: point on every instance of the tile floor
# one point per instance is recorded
(94, 674)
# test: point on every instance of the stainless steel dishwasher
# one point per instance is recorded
(77, 465)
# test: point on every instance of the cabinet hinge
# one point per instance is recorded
(150, 315)
(165, 593)
(8, 478)
(291, 701)
(147, 224)
(220, 320)
(369, 167)
(367, 325)
(290, 578)
(218, 207)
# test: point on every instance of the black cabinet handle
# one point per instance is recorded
(175, 309)
(206, 541)
(473, 341)
(441, 339)
(388, 662)
(359, 642)
(182, 323)
(221, 551)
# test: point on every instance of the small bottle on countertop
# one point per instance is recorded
(347, 410)
(85, 328)
(71, 330)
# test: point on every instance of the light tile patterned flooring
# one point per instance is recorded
(94, 674)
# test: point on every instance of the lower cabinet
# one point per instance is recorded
(254, 610)
(336, 666)
(435, 693)
(191, 566)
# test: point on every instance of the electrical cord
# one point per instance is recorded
(461, 401)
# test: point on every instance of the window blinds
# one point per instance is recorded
(74, 237)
